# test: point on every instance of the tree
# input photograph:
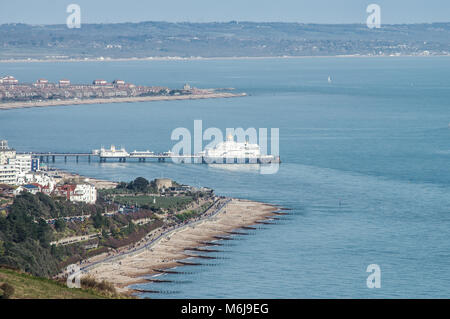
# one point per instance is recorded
(60, 224)
(140, 184)
(97, 220)
(121, 185)
(131, 227)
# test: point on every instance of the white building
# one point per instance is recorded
(8, 80)
(40, 178)
(85, 193)
(23, 163)
(8, 173)
(14, 166)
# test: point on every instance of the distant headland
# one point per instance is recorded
(14, 94)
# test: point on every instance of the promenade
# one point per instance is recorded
(154, 240)
(166, 249)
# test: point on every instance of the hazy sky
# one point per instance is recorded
(305, 11)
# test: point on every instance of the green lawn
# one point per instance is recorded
(161, 202)
(187, 215)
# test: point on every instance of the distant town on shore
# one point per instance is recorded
(11, 90)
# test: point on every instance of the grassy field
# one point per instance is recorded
(160, 202)
(29, 287)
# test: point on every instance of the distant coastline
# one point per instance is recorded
(200, 58)
(29, 104)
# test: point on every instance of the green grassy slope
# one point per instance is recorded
(30, 287)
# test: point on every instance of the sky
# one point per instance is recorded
(303, 11)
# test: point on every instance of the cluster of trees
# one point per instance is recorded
(140, 185)
(25, 236)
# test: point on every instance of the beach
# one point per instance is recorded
(164, 253)
(20, 105)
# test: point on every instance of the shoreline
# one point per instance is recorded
(166, 250)
(175, 58)
(21, 105)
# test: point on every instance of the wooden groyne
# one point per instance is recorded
(158, 280)
(263, 222)
(210, 243)
(280, 213)
(236, 233)
(203, 250)
(201, 256)
(185, 263)
(222, 238)
(147, 291)
(167, 271)
(271, 218)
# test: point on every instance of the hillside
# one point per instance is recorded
(29, 287)
(227, 39)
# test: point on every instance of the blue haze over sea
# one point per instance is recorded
(365, 166)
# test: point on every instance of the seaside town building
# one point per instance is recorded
(23, 171)
(9, 80)
(100, 82)
(85, 192)
(64, 82)
(8, 171)
(119, 82)
(30, 188)
(163, 183)
(14, 166)
(13, 91)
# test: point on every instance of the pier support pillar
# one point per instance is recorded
(53, 158)
(89, 158)
(77, 158)
(65, 159)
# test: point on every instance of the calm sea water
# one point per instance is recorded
(365, 166)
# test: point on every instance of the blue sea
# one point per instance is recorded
(365, 166)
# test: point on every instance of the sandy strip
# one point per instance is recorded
(19, 105)
(98, 183)
(165, 253)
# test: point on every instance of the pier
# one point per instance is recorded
(142, 157)
(162, 157)
(121, 155)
